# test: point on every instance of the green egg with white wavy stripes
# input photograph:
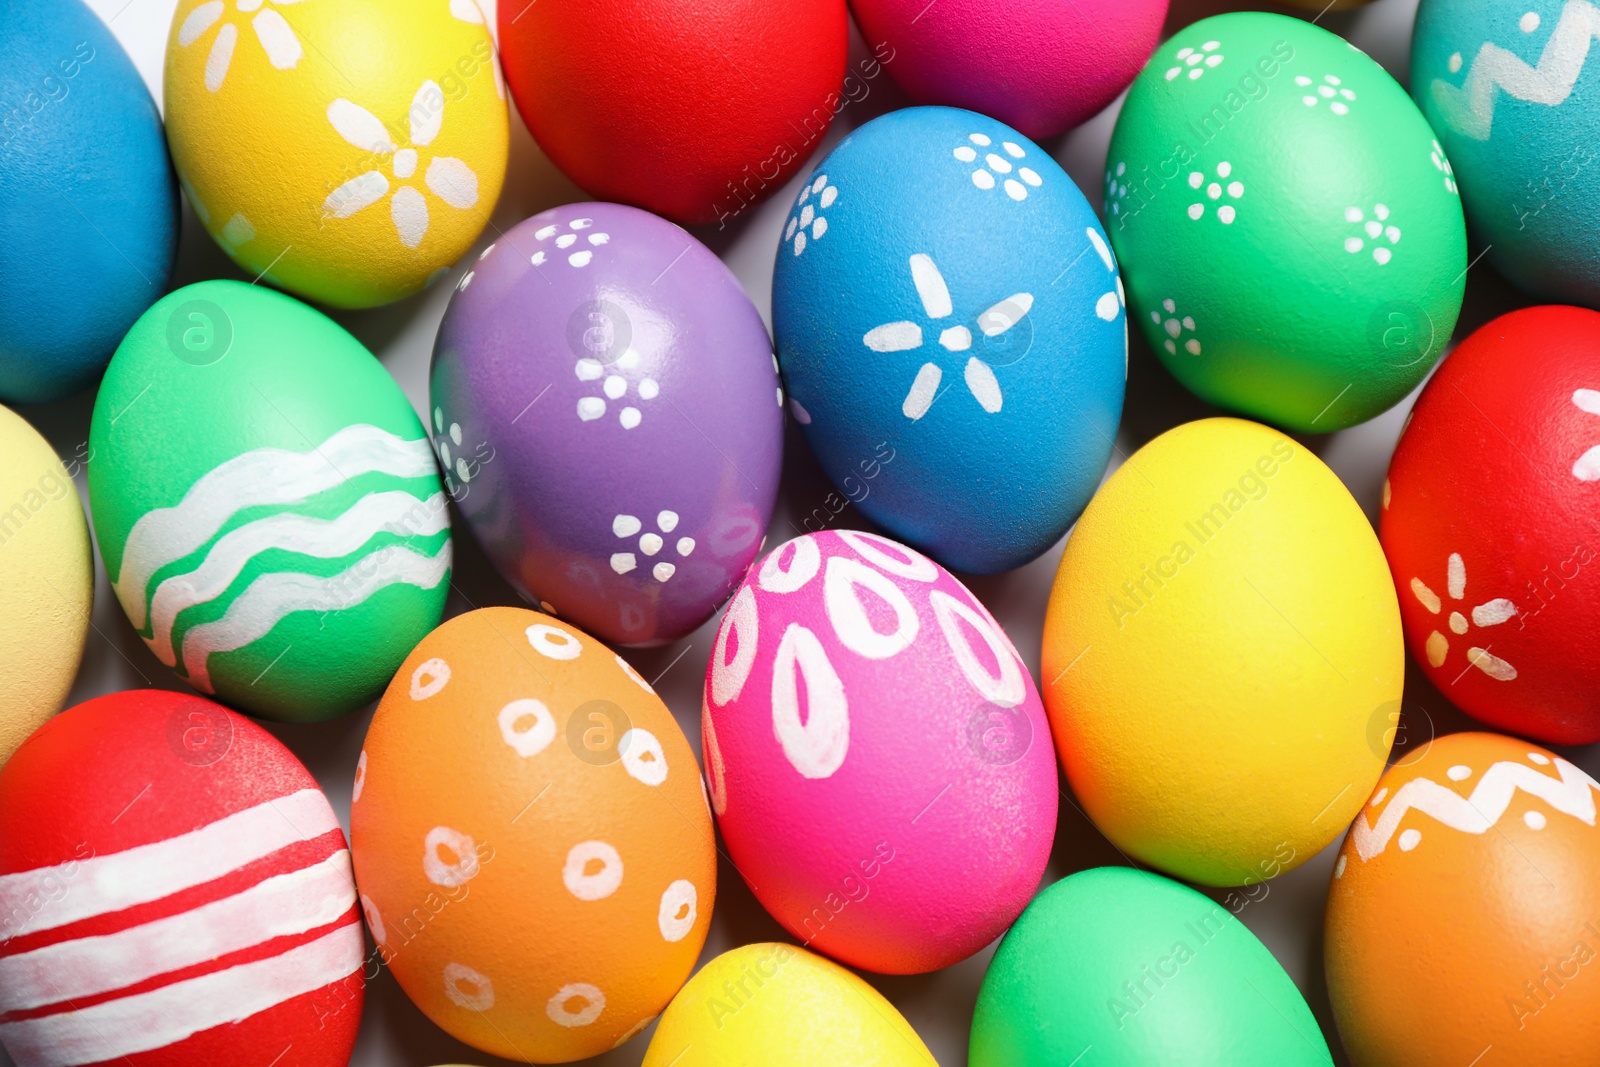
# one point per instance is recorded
(1291, 239)
(267, 503)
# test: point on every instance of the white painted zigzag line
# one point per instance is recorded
(1571, 794)
(272, 597)
(165, 1016)
(280, 906)
(1470, 108)
(261, 478)
(101, 885)
(303, 534)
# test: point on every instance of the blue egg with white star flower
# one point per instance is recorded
(952, 333)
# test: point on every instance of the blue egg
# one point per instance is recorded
(88, 204)
(951, 329)
(1513, 92)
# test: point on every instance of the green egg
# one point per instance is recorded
(267, 503)
(1290, 245)
(1122, 968)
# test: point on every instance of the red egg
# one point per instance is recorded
(175, 891)
(1491, 522)
(693, 111)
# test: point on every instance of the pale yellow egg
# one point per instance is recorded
(46, 581)
(781, 1006)
(346, 150)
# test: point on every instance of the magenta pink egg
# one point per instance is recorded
(879, 759)
(1041, 66)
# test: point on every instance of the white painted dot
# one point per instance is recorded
(1170, 346)
(1028, 175)
(1529, 22)
(1226, 215)
(544, 233)
(649, 389)
(429, 678)
(438, 420)
(626, 525)
(1538, 757)
(1196, 210)
(591, 408)
(679, 908)
(1302, 81)
(1192, 346)
(650, 544)
(1410, 839)
(462, 470)
(642, 755)
(467, 988)
(1382, 211)
(629, 418)
(979, 139)
(1534, 819)
(996, 164)
(1353, 214)
(966, 154)
(1195, 73)
(818, 185)
(623, 562)
(1171, 306)
(1455, 63)
(537, 259)
(553, 642)
(1016, 190)
(593, 870)
(1382, 255)
(1107, 307)
(1338, 108)
(577, 1004)
(527, 726)
(449, 857)
(615, 385)
(1309, 101)
(1236, 189)
(983, 179)
(1196, 180)
(664, 571)
(598, 239)
(1214, 190)
(1013, 150)
(829, 195)
(1459, 772)
(1354, 245)
(581, 259)
(807, 215)
(685, 546)
(1338, 867)
(1211, 46)
(566, 240)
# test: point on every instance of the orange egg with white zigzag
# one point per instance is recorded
(1464, 916)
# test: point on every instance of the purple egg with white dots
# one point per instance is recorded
(607, 410)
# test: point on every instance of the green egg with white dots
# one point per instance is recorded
(1291, 240)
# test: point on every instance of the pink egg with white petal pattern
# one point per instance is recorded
(878, 755)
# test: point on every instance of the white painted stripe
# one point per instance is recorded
(264, 477)
(280, 906)
(396, 512)
(173, 1013)
(105, 884)
(271, 597)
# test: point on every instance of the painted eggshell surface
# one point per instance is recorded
(1225, 656)
(944, 294)
(90, 204)
(878, 757)
(1508, 86)
(608, 413)
(1294, 245)
(1462, 914)
(694, 112)
(346, 152)
(175, 892)
(46, 581)
(1144, 971)
(782, 1006)
(531, 837)
(266, 502)
(1489, 523)
(1038, 66)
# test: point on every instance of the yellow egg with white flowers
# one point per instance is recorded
(348, 151)
(1223, 660)
(780, 1006)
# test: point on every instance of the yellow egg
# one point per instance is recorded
(348, 152)
(781, 1006)
(46, 582)
(1222, 655)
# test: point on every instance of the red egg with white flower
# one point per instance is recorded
(1491, 523)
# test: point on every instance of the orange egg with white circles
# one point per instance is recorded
(1464, 916)
(531, 838)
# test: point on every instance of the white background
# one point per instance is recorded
(939, 1006)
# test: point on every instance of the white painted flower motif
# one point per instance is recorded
(1331, 89)
(1442, 165)
(1180, 331)
(1002, 168)
(807, 223)
(1196, 60)
(1111, 303)
(277, 38)
(1116, 188)
(626, 527)
(1214, 191)
(614, 386)
(1587, 469)
(1376, 229)
(446, 177)
(443, 442)
(1489, 613)
(906, 336)
(565, 242)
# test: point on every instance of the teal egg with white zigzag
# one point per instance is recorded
(267, 503)
(1512, 88)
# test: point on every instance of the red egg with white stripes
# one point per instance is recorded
(175, 891)
(879, 759)
(1491, 523)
